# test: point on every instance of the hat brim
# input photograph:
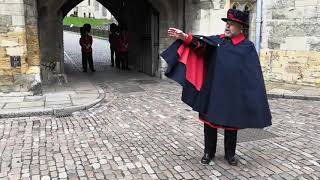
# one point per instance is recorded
(242, 23)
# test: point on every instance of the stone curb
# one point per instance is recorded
(66, 111)
(58, 112)
(292, 96)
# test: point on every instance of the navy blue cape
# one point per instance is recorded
(233, 93)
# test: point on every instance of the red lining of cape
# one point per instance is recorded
(194, 63)
(217, 127)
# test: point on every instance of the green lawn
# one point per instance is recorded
(79, 22)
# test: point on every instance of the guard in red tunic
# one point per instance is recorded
(123, 46)
(222, 80)
(112, 41)
(86, 48)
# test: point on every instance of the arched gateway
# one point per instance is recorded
(143, 18)
(31, 36)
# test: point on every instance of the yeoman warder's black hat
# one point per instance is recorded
(237, 16)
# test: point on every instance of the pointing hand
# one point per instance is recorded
(177, 34)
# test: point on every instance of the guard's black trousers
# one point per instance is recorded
(210, 141)
(112, 54)
(124, 60)
(87, 59)
(118, 59)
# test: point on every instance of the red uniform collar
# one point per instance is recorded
(235, 40)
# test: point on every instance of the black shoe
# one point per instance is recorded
(112, 65)
(231, 160)
(205, 160)
(93, 70)
(84, 71)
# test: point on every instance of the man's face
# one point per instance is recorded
(232, 29)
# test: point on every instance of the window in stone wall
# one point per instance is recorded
(248, 7)
(235, 5)
(96, 6)
(104, 12)
(75, 12)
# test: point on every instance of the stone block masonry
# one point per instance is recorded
(289, 39)
(295, 67)
(290, 43)
(18, 37)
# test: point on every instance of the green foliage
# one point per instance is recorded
(78, 22)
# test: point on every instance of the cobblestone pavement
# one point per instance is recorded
(143, 131)
(152, 135)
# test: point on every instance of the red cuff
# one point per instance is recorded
(188, 40)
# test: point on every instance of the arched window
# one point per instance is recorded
(235, 5)
(248, 7)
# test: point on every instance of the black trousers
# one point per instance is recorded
(87, 58)
(124, 60)
(112, 50)
(118, 59)
(210, 141)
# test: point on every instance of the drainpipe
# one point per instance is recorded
(184, 16)
(258, 25)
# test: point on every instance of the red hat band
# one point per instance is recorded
(231, 17)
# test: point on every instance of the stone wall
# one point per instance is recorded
(50, 23)
(291, 42)
(18, 37)
(204, 16)
(171, 15)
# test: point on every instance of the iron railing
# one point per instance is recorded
(94, 32)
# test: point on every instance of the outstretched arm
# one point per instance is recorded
(187, 38)
(177, 34)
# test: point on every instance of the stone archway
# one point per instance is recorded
(41, 40)
(36, 37)
(51, 14)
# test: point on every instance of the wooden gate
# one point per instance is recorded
(150, 40)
